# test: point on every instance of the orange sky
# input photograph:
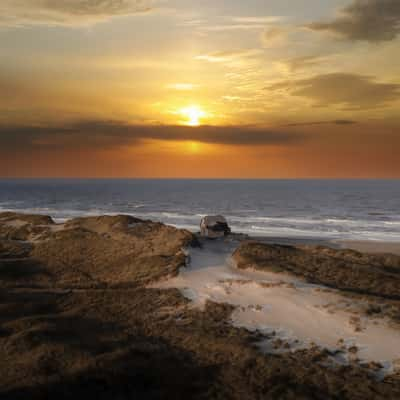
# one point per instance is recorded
(218, 89)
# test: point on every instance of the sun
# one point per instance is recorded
(193, 115)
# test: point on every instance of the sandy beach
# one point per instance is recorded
(371, 246)
(364, 246)
(115, 306)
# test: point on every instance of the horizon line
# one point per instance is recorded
(200, 178)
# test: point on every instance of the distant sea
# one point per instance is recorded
(326, 209)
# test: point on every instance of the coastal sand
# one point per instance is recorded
(299, 313)
(371, 246)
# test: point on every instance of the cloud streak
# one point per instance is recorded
(275, 36)
(365, 20)
(333, 122)
(350, 91)
(67, 12)
(303, 63)
(109, 134)
(228, 55)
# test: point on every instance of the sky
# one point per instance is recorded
(200, 89)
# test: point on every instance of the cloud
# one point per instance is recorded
(333, 122)
(232, 27)
(230, 55)
(230, 23)
(305, 62)
(268, 19)
(67, 12)
(108, 134)
(348, 90)
(367, 20)
(275, 36)
(182, 86)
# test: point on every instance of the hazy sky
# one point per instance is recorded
(181, 88)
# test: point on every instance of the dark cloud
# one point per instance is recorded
(106, 134)
(369, 20)
(333, 122)
(67, 12)
(348, 90)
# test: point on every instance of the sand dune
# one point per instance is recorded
(78, 318)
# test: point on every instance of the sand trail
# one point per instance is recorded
(297, 313)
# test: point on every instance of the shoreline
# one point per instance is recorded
(363, 246)
(282, 229)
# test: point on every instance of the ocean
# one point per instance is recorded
(325, 209)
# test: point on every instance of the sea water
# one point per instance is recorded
(327, 209)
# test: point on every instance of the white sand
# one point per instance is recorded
(298, 312)
(57, 227)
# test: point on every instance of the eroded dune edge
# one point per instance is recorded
(80, 316)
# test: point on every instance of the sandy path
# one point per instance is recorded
(299, 313)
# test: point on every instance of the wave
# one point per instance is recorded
(321, 234)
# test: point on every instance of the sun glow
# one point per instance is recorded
(193, 115)
(193, 147)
